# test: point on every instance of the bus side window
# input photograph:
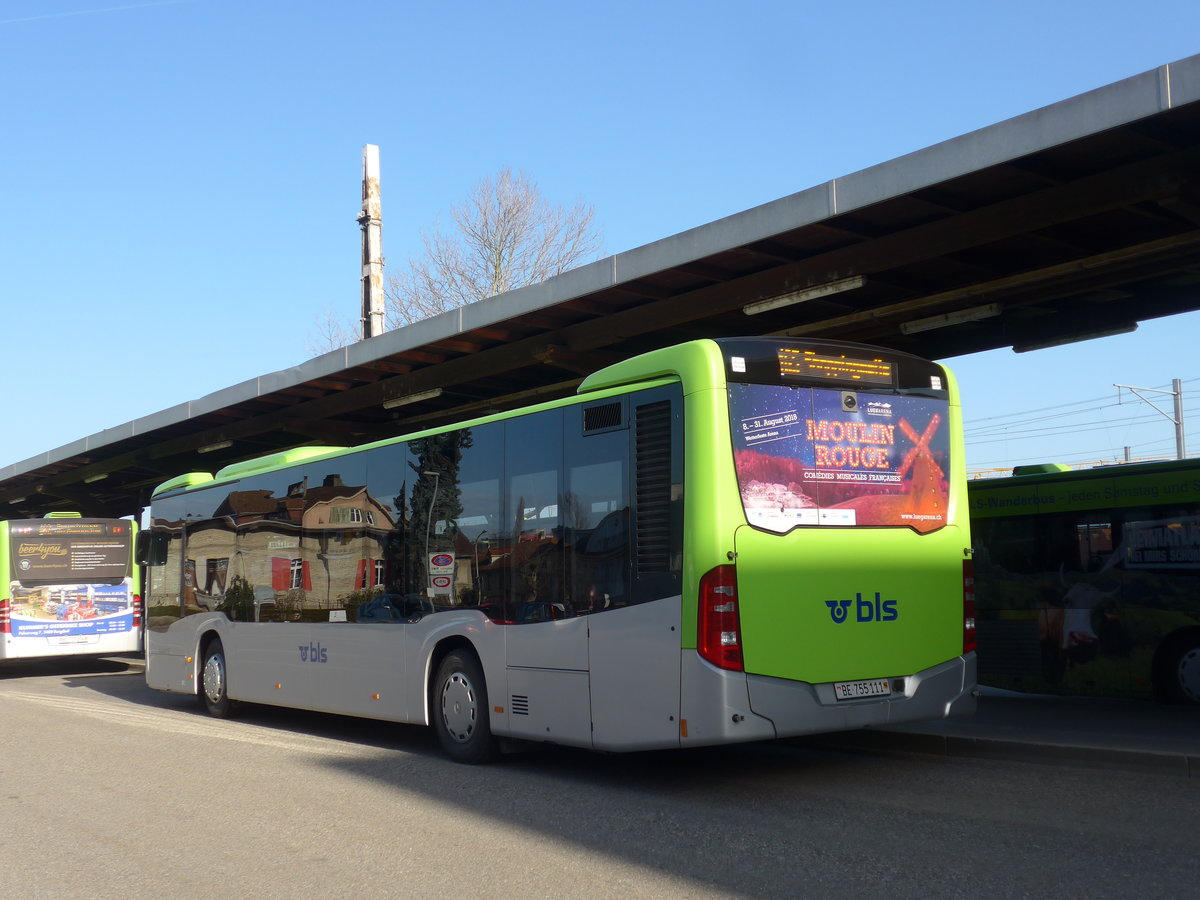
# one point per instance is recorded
(532, 528)
(596, 508)
(1094, 534)
(164, 584)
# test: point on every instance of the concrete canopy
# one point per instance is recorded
(1075, 220)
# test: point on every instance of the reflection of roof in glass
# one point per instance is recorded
(263, 504)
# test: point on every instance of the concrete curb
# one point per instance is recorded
(1130, 760)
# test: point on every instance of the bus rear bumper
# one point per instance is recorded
(721, 707)
(798, 708)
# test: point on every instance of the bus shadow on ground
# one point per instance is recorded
(727, 820)
(773, 819)
(66, 666)
(125, 683)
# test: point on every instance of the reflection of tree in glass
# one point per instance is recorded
(435, 497)
(238, 602)
(400, 565)
(574, 511)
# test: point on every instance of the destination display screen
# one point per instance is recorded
(835, 363)
(810, 364)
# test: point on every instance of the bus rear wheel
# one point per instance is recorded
(1178, 670)
(214, 678)
(460, 709)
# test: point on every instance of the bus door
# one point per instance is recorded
(546, 651)
(625, 566)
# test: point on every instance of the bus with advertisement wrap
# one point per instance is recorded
(728, 540)
(1088, 581)
(69, 587)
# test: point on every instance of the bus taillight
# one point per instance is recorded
(5, 622)
(137, 611)
(718, 631)
(968, 606)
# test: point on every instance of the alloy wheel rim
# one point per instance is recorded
(459, 707)
(1189, 674)
(214, 677)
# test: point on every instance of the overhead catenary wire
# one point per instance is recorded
(1021, 432)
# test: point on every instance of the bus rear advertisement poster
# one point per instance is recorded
(832, 457)
(67, 610)
(68, 587)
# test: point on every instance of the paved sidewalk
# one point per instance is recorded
(1122, 734)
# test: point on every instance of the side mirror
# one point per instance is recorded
(151, 548)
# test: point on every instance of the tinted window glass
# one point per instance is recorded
(596, 515)
(531, 535)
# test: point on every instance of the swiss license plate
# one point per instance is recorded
(854, 690)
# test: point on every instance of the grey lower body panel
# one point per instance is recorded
(796, 707)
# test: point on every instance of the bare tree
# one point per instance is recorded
(507, 236)
(330, 333)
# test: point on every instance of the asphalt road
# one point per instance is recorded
(109, 789)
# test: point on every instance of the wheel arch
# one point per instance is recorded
(441, 650)
(203, 641)
(1165, 654)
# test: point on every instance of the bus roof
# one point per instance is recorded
(1049, 472)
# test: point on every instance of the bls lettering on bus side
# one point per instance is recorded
(877, 610)
(313, 653)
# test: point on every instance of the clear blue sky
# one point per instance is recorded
(179, 180)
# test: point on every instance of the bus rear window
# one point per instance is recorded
(816, 456)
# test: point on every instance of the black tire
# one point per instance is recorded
(459, 709)
(1177, 670)
(214, 681)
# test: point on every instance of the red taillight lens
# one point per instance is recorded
(718, 630)
(137, 611)
(968, 606)
(5, 622)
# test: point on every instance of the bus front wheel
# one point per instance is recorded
(1178, 669)
(460, 709)
(214, 676)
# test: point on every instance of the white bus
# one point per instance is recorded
(69, 587)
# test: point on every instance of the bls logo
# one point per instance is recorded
(313, 653)
(839, 609)
(865, 610)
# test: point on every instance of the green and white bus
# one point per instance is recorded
(68, 587)
(1088, 581)
(728, 540)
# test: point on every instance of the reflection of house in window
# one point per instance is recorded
(371, 573)
(298, 573)
(334, 504)
(314, 544)
(215, 571)
(290, 574)
(345, 515)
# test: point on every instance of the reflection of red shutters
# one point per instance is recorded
(307, 576)
(371, 572)
(281, 573)
(360, 580)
